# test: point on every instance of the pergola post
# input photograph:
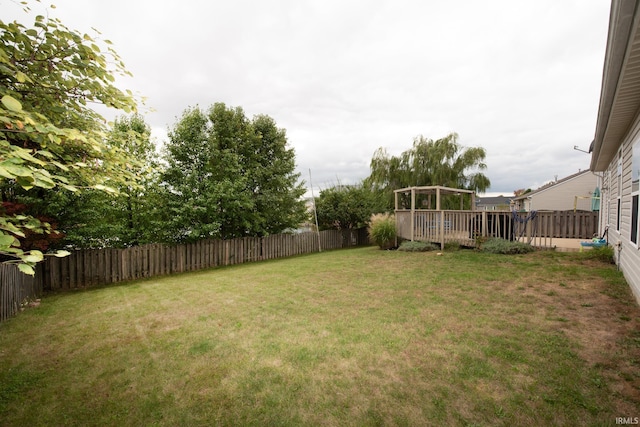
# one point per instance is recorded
(433, 217)
(441, 229)
(413, 211)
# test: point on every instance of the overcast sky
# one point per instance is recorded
(519, 78)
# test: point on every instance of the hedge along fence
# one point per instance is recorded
(93, 267)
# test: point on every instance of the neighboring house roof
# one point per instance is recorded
(620, 97)
(493, 201)
(550, 185)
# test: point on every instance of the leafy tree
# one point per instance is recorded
(228, 176)
(274, 187)
(202, 179)
(442, 162)
(93, 219)
(49, 136)
(521, 191)
(138, 202)
(345, 207)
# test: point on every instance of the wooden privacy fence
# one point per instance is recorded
(91, 267)
(569, 224)
(16, 289)
(86, 268)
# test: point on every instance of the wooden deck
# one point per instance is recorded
(465, 227)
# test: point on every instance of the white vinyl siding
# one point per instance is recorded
(628, 253)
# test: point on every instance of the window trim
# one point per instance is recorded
(619, 185)
(634, 223)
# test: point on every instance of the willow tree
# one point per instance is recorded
(50, 136)
(442, 162)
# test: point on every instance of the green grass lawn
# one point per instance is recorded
(352, 337)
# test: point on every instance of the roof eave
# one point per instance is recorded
(620, 91)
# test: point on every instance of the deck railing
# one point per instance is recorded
(466, 227)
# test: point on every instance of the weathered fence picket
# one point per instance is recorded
(17, 289)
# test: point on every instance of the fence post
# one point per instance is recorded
(440, 229)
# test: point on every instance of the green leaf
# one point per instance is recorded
(43, 181)
(27, 269)
(24, 154)
(33, 257)
(105, 189)
(53, 138)
(15, 169)
(12, 250)
(11, 103)
(5, 173)
(6, 240)
(61, 254)
(7, 226)
(60, 165)
(71, 188)
(26, 182)
(21, 77)
(45, 153)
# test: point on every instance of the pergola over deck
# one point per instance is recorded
(441, 215)
(430, 191)
(419, 215)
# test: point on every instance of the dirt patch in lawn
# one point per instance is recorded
(602, 317)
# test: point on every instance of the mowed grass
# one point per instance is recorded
(352, 337)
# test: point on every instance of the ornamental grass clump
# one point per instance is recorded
(382, 230)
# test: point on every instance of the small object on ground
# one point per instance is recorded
(594, 243)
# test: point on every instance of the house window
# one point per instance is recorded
(619, 181)
(608, 199)
(618, 210)
(635, 191)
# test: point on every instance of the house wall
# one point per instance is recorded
(490, 206)
(522, 205)
(618, 187)
(561, 196)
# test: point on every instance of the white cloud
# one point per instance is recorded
(521, 79)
